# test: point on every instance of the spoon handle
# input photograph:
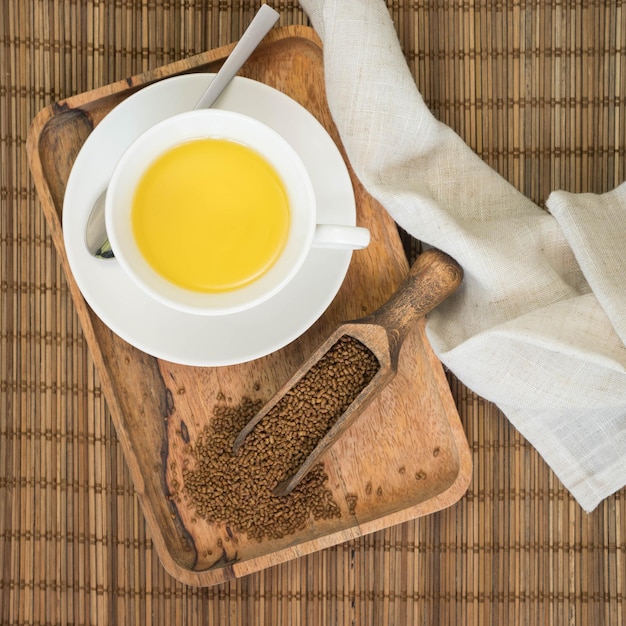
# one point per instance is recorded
(263, 21)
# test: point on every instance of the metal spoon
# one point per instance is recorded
(96, 238)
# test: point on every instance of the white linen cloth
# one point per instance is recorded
(539, 325)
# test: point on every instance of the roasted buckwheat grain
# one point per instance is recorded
(237, 490)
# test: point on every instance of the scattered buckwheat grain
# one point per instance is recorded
(237, 490)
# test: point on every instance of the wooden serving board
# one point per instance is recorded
(407, 456)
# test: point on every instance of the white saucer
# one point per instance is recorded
(193, 339)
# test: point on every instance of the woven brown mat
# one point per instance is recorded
(538, 90)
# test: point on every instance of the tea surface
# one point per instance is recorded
(211, 215)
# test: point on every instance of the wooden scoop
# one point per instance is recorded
(431, 279)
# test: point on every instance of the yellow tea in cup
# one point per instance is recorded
(210, 215)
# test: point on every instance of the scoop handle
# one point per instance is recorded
(431, 279)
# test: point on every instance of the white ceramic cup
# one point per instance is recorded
(304, 231)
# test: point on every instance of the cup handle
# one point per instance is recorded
(341, 236)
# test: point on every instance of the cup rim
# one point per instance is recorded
(199, 124)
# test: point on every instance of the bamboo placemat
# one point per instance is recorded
(536, 88)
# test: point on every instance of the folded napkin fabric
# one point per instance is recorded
(539, 325)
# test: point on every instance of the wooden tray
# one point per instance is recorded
(407, 456)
